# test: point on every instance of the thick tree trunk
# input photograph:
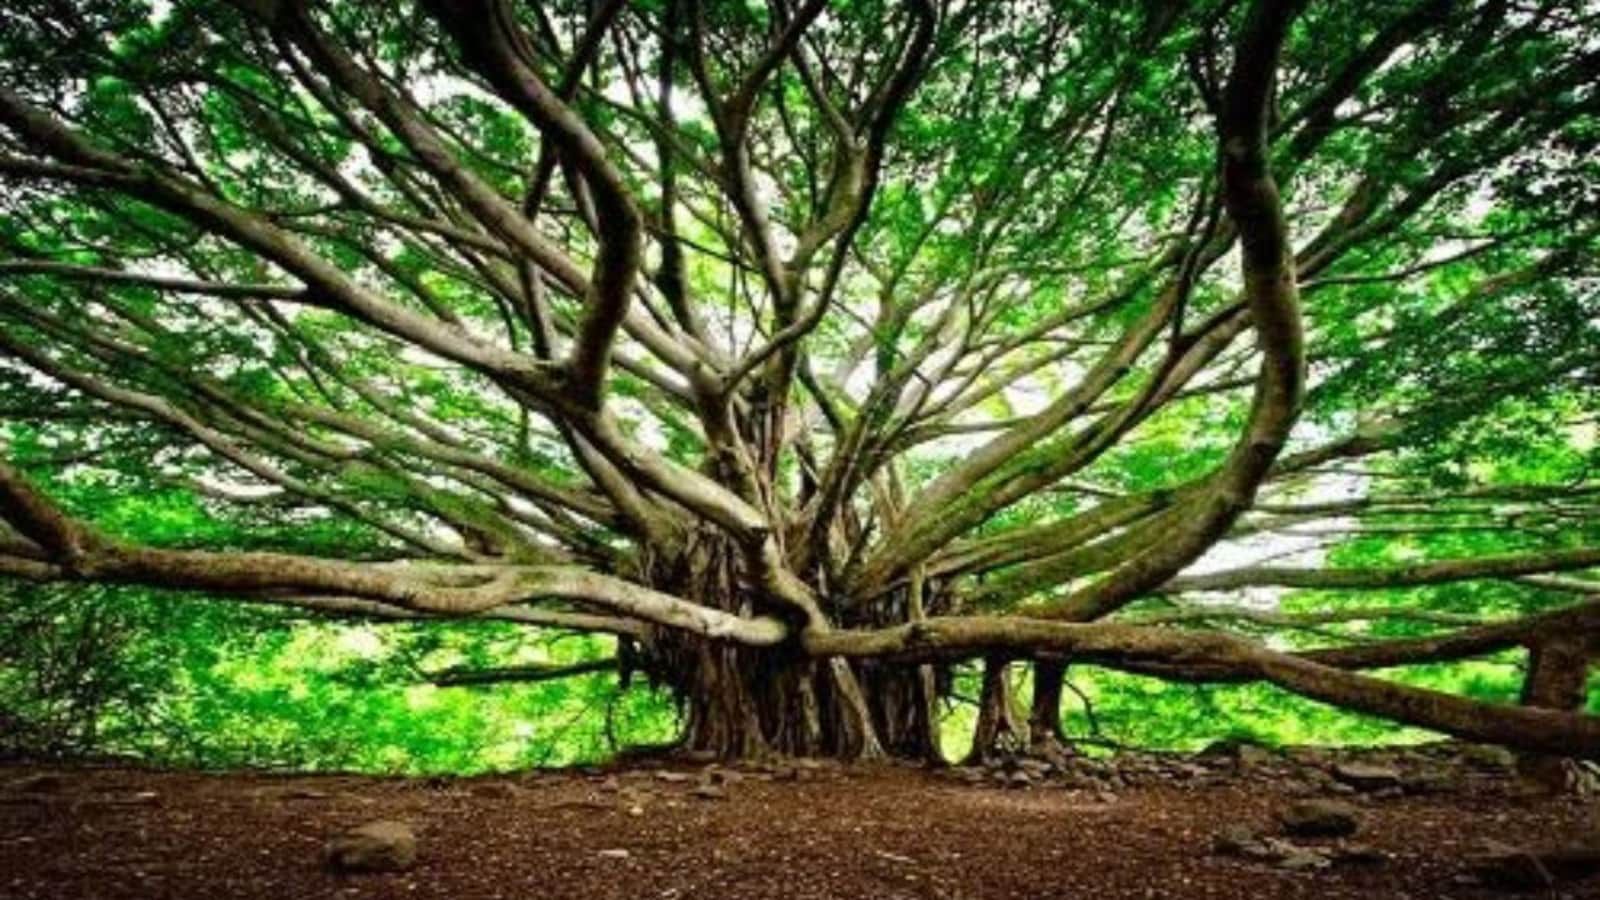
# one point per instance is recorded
(1002, 730)
(747, 702)
(904, 703)
(1558, 675)
(744, 704)
(1046, 740)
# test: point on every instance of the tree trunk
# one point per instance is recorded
(904, 702)
(1002, 730)
(1046, 740)
(1558, 675)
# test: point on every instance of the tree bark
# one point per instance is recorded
(741, 703)
(1002, 730)
(1558, 675)
(1046, 740)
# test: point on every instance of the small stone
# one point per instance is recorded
(636, 810)
(1320, 818)
(1038, 768)
(1270, 849)
(304, 793)
(611, 785)
(672, 777)
(1489, 757)
(381, 846)
(1430, 781)
(709, 792)
(1250, 756)
(1235, 840)
(1106, 797)
(1309, 756)
(1019, 779)
(1359, 855)
(1365, 777)
(1302, 860)
(615, 853)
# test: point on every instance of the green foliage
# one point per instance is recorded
(1040, 187)
(185, 681)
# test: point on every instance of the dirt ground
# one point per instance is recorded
(825, 832)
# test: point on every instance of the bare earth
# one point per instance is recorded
(863, 831)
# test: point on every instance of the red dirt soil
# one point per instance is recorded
(863, 831)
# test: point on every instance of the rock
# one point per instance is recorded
(1235, 840)
(1038, 768)
(709, 791)
(1186, 771)
(1359, 855)
(1250, 756)
(617, 853)
(1299, 859)
(672, 777)
(611, 785)
(1320, 818)
(1019, 779)
(1242, 841)
(1365, 777)
(381, 846)
(1489, 757)
(1242, 754)
(1429, 781)
(1309, 756)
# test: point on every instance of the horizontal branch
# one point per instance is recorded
(1417, 574)
(531, 674)
(1134, 646)
(18, 267)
